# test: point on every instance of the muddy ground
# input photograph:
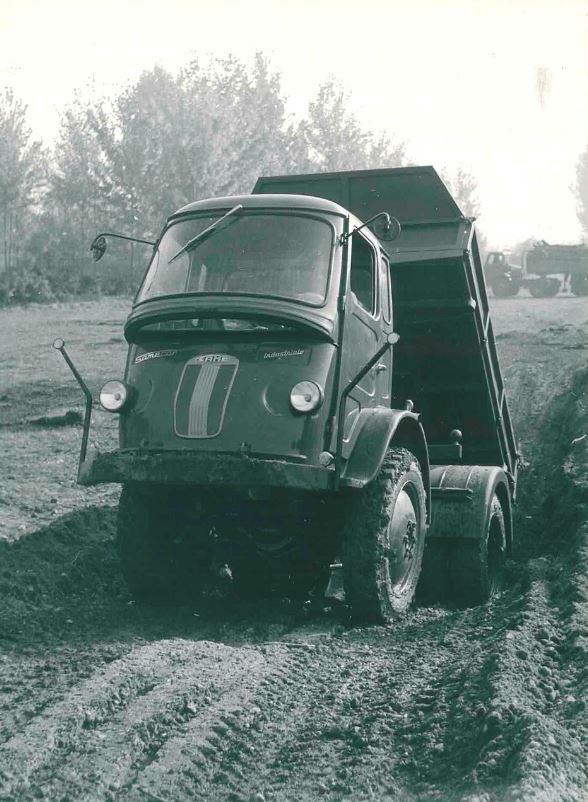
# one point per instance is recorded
(101, 699)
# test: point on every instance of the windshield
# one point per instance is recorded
(283, 255)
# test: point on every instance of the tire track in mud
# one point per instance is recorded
(373, 712)
(215, 754)
(538, 717)
(402, 715)
(98, 739)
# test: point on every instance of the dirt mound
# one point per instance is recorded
(56, 574)
(69, 418)
(553, 487)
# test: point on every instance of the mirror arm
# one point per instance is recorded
(120, 236)
(345, 237)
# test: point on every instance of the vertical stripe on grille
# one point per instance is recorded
(198, 411)
(202, 395)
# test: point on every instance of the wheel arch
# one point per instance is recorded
(381, 429)
(462, 497)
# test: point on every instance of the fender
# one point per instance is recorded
(462, 496)
(380, 428)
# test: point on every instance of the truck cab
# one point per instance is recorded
(244, 324)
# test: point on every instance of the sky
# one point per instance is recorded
(499, 88)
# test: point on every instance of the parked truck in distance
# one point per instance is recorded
(312, 385)
(544, 270)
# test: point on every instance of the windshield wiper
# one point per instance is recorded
(207, 232)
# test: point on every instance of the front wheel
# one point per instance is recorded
(504, 286)
(164, 557)
(384, 539)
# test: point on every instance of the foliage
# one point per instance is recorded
(21, 178)
(122, 164)
(463, 187)
(335, 140)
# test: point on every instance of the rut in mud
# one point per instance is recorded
(104, 699)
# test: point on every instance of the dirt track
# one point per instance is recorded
(103, 699)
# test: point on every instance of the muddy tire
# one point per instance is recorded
(250, 577)
(505, 286)
(435, 578)
(477, 566)
(579, 285)
(163, 560)
(544, 287)
(384, 538)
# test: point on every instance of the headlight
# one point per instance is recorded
(113, 396)
(306, 396)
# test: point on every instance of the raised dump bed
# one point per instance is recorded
(445, 360)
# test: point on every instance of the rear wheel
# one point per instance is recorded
(579, 285)
(163, 556)
(544, 287)
(476, 570)
(384, 539)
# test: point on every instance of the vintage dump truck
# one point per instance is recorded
(312, 382)
(544, 269)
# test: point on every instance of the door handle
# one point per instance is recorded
(380, 367)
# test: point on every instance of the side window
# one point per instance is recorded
(362, 279)
(386, 294)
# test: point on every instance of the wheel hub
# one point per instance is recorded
(402, 540)
(409, 540)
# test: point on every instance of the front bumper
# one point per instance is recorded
(181, 467)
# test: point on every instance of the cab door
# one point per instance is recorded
(363, 334)
(384, 367)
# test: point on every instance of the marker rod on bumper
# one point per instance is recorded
(59, 345)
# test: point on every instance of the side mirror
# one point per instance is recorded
(386, 227)
(98, 248)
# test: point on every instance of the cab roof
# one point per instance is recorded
(265, 201)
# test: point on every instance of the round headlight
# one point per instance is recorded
(306, 396)
(113, 396)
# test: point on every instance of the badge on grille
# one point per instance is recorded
(202, 395)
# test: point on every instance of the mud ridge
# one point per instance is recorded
(50, 579)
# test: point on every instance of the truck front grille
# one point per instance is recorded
(202, 395)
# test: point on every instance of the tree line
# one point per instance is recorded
(126, 162)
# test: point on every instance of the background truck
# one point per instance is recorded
(543, 271)
(303, 391)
